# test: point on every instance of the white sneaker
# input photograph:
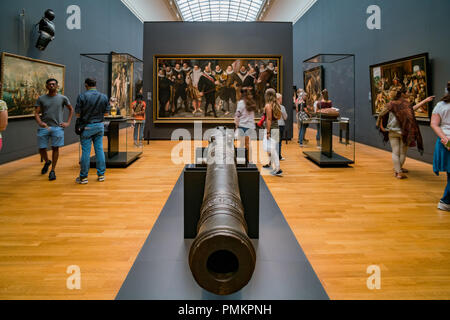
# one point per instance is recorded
(278, 173)
(443, 206)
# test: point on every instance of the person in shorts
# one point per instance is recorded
(49, 116)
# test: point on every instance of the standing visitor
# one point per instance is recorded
(51, 125)
(303, 115)
(281, 123)
(138, 113)
(245, 116)
(272, 111)
(398, 124)
(92, 106)
(440, 123)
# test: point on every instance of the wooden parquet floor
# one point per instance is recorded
(345, 219)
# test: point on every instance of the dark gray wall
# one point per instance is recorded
(213, 38)
(409, 27)
(106, 25)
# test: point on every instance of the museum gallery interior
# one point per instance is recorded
(227, 149)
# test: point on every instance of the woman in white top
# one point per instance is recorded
(245, 116)
(440, 123)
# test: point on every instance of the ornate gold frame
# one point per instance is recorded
(5, 54)
(205, 57)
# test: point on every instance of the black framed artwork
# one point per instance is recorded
(410, 74)
(24, 81)
(207, 88)
(313, 80)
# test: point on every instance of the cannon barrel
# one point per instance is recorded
(222, 257)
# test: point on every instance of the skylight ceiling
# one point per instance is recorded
(219, 10)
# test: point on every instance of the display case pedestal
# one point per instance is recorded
(326, 157)
(118, 155)
(120, 160)
(336, 74)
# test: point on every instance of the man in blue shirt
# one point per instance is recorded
(92, 106)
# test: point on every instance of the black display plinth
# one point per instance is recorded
(194, 187)
(161, 270)
(113, 137)
(327, 157)
(114, 156)
(324, 161)
(119, 160)
(326, 130)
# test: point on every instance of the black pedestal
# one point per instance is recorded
(344, 126)
(327, 157)
(194, 188)
(113, 138)
(161, 270)
(120, 160)
(326, 130)
(322, 160)
(114, 157)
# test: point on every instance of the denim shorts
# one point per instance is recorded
(56, 134)
(246, 132)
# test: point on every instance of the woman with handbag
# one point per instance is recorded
(272, 112)
(398, 124)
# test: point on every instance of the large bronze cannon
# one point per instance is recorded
(222, 257)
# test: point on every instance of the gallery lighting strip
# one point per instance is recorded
(220, 10)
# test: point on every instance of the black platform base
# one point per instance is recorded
(161, 270)
(120, 160)
(322, 160)
(194, 188)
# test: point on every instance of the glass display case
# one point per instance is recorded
(329, 131)
(119, 76)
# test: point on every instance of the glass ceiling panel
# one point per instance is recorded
(219, 10)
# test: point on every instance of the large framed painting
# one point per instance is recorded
(313, 81)
(410, 74)
(208, 88)
(24, 81)
(122, 81)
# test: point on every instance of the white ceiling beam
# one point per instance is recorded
(167, 10)
(150, 10)
(288, 10)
